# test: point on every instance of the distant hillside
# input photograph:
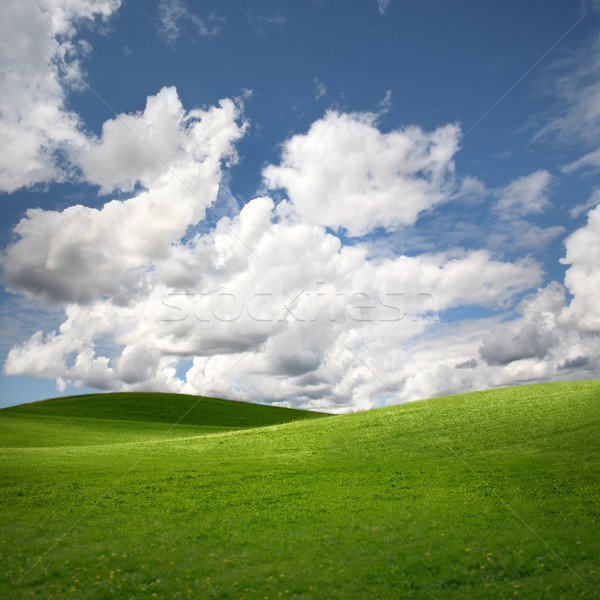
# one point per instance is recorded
(165, 408)
(132, 416)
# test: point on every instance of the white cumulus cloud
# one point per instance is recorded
(78, 253)
(312, 331)
(583, 275)
(344, 173)
(39, 63)
(269, 305)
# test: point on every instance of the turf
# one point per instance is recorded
(484, 495)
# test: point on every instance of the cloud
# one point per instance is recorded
(174, 14)
(79, 253)
(516, 234)
(472, 219)
(525, 195)
(39, 63)
(538, 345)
(530, 337)
(589, 160)
(292, 329)
(383, 5)
(268, 304)
(578, 210)
(583, 276)
(467, 364)
(508, 228)
(385, 105)
(20, 318)
(345, 174)
(62, 355)
(552, 335)
(502, 347)
(139, 147)
(574, 363)
(576, 120)
(258, 22)
(144, 295)
(325, 332)
(319, 89)
(164, 141)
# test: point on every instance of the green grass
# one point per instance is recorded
(131, 416)
(484, 495)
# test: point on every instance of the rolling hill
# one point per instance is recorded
(132, 416)
(481, 495)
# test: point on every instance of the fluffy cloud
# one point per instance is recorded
(344, 173)
(553, 337)
(265, 325)
(39, 62)
(540, 344)
(583, 276)
(502, 347)
(269, 305)
(67, 353)
(164, 140)
(81, 252)
(325, 332)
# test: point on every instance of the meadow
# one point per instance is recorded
(483, 495)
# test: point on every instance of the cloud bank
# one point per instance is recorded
(288, 301)
(270, 305)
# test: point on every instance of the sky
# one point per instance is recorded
(324, 204)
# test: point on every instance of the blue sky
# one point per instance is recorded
(320, 204)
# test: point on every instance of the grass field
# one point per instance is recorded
(483, 495)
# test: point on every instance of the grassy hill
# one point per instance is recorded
(130, 416)
(483, 495)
